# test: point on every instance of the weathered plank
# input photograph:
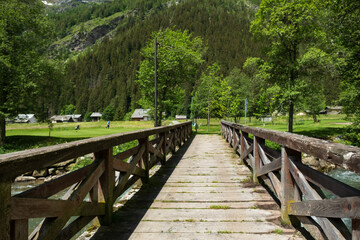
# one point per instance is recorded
(287, 184)
(23, 208)
(19, 229)
(331, 208)
(119, 188)
(107, 183)
(75, 226)
(355, 229)
(126, 154)
(5, 207)
(257, 158)
(270, 167)
(125, 167)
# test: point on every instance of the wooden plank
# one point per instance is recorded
(5, 207)
(107, 181)
(312, 227)
(310, 194)
(155, 141)
(155, 151)
(257, 157)
(145, 158)
(355, 229)
(326, 182)
(19, 229)
(75, 226)
(51, 226)
(131, 181)
(274, 180)
(331, 208)
(52, 187)
(287, 184)
(346, 156)
(66, 196)
(119, 188)
(248, 151)
(94, 193)
(17, 163)
(125, 167)
(270, 167)
(126, 154)
(39, 208)
(163, 147)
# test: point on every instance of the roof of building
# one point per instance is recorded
(74, 116)
(61, 118)
(96, 114)
(180, 117)
(140, 113)
(23, 118)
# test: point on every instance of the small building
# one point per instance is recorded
(95, 116)
(266, 119)
(180, 117)
(25, 118)
(141, 115)
(331, 110)
(76, 117)
(61, 118)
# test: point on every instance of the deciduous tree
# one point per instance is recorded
(22, 34)
(179, 55)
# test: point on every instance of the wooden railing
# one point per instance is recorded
(298, 187)
(103, 181)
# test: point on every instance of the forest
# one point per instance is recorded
(284, 57)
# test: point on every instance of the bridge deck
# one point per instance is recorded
(201, 193)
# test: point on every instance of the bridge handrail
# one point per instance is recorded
(103, 181)
(298, 187)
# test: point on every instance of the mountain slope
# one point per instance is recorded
(106, 74)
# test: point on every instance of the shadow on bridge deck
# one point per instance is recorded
(201, 193)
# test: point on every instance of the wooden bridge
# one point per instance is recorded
(201, 190)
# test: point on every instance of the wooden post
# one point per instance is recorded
(107, 181)
(355, 229)
(145, 158)
(242, 147)
(287, 183)
(236, 142)
(19, 229)
(257, 141)
(5, 208)
(163, 147)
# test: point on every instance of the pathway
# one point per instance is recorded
(201, 193)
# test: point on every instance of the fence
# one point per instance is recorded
(298, 187)
(103, 181)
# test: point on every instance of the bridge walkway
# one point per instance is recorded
(201, 193)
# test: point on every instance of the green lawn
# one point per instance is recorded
(329, 126)
(25, 136)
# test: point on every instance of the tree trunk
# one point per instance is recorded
(208, 117)
(315, 118)
(291, 116)
(2, 131)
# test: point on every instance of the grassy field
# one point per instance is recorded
(329, 126)
(25, 136)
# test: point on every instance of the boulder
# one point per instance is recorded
(40, 173)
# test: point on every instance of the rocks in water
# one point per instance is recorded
(317, 164)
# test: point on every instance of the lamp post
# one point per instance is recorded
(155, 125)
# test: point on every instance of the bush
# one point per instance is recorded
(352, 134)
